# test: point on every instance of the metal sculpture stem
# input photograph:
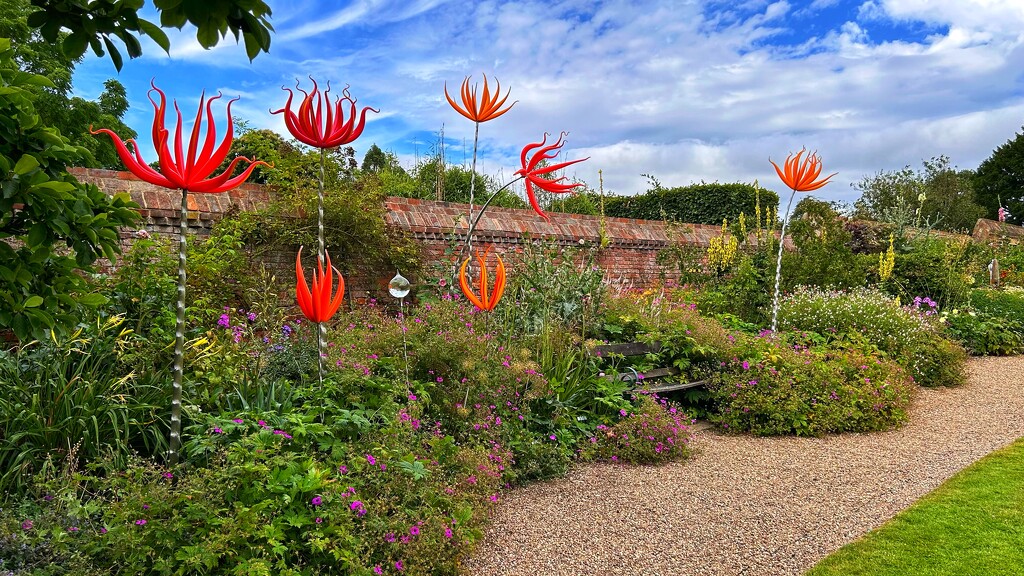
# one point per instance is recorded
(472, 187)
(778, 265)
(474, 221)
(321, 332)
(179, 336)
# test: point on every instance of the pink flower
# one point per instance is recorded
(448, 533)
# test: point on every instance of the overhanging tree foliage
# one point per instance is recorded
(95, 23)
(52, 227)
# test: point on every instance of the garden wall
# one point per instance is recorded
(628, 258)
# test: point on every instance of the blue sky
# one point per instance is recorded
(684, 90)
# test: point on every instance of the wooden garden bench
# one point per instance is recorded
(631, 375)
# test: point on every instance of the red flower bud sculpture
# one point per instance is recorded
(533, 174)
(800, 178)
(485, 300)
(317, 304)
(322, 125)
(190, 171)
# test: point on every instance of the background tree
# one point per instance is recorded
(72, 116)
(1001, 178)
(895, 196)
(94, 23)
(52, 227)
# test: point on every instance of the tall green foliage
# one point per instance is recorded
(52, 228)
(696, 204)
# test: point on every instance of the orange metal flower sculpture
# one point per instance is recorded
(532, 173)
(311, 125)
(488, 107)
(317, 304)
(800, 178)
(188, 170)
(486, 300)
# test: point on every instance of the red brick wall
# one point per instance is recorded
(628, 259)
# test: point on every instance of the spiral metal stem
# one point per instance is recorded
(778, 265)
(179, 336)
(321, 339)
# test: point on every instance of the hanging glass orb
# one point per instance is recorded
(399, 286)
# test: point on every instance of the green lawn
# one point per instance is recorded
(971, 525)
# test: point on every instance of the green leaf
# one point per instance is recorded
(155, 34)
(37, 234)
(74, 44)
(26, 164)
(92, 300)
(207, 36)
(115, 56)
(33, 301)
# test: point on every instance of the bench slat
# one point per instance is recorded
(626, 349)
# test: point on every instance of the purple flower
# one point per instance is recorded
(237, 420)
(377, 569)
(399, 566)
(218, 431)
(371, 459)
(316, 501)
(390, 537)
(103, 530)
(26, 525)
(342, 469)
(746, 365)
(414, 530)
(355, 505)
(145, 506)
(283, 433)
(48, 497)
(168, 475)
(140, 522)
(319, 520)
(447, 532)
(73, 529)
(412, 397)
(623, 412)
(224, 321)
(553, 437)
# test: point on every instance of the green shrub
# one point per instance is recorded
(907, 335)
(772, 388)
(937, 362)
(655, 431)
(1007, 303)
(940, 269)
(985, 334)
(71, 398)
(823, 256)
(695, 204)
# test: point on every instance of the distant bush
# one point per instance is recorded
(909, 335)
(694, 204)
(773, 388)
(985, 334)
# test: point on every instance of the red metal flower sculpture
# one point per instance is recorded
(488, 108)
(311, 125)
(801, 177)
(486, 301)
(189, 172)
(316, 303)
(532, 173)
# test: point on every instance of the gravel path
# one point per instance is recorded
(751, 506)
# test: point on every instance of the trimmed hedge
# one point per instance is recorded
(694, 204)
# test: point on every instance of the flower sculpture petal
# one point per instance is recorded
(486, 300)
(533, 174)
(185, 169)
(802, 177)
(316, 303)
(313, 125)
(488, 107)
